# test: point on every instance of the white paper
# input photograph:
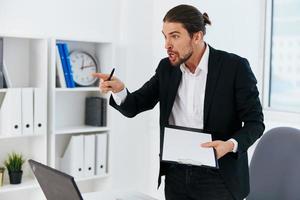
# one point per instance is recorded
(185, 147)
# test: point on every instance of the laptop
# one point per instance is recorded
(57, 185)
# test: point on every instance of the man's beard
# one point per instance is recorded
(183, 59)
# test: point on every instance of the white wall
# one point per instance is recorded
(134, 65)
(55, 18)
(237, 27)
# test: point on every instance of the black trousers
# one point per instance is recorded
(186, 182)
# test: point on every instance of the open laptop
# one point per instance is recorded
(57, 185)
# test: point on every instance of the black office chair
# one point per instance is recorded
(275, 166)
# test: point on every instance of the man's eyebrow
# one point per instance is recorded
(173, 32)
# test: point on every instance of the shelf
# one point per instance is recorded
(86, 40)
(19, 136)
(78, 89)
(27, 183)
(80, 129)
(92, 178)
(3, 90)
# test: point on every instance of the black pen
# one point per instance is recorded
(111, 74)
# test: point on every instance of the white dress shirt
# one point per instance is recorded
(188, 107)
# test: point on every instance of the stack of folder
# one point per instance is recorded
(85, 156)
(63, 66)
(23, 111)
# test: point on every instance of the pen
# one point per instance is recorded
(111, 74)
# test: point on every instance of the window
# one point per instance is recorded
(284, 85)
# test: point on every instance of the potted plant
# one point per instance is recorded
(14, 164)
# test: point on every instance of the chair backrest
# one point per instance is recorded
(275, 166)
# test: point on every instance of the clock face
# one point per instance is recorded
(83, 65)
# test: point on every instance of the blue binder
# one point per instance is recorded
(68, 63)
(64, 64)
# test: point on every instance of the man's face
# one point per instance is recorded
(178, 42)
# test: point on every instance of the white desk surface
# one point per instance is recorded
(116, 195)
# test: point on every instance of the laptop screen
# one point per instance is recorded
(56, 185)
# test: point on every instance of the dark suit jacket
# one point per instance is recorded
(231, 110)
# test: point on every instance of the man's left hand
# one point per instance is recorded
(221, 147)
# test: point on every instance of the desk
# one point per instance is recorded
(116, 195)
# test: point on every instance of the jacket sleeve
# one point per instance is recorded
(142, 99)
(248, 107)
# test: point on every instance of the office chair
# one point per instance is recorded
(275, 166)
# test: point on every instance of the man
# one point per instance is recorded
(198, 86)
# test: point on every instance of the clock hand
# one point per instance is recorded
(82, 64)
(87, 66)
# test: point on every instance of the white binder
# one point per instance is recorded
(27, 111)
(40, 111)
(101, 154)
(10, 112)
(59, 70)
(89, 155)
(73, 159)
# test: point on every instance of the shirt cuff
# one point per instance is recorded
(120, 97)
(235, 145)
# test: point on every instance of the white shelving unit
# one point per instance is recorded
(26, 60)
(67, 119)
(31, 62)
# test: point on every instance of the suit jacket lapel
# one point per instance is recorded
(174, 81)
(214, 66)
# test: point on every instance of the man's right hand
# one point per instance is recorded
(114, 85)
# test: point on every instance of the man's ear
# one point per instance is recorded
(198, 37)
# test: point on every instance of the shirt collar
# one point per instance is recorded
(202, 66)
